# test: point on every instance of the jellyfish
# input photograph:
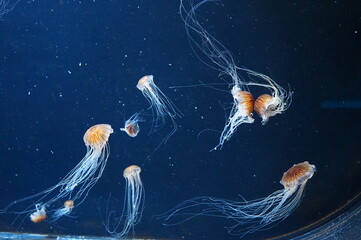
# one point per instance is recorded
(6, 6)
(131, 126)
(160, 105)
(248, 216)
(133, 204)
(218, 57)
(65, 211)
(241, 112)
(78, 182)
(39, 215)
(268, 105)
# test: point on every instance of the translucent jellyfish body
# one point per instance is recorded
(131, 126)
(268, 105)
(249, 216)
(78, 182)
(133, 205)
(65, 211)
(39, 215)
(160, 105)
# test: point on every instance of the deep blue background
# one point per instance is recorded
(67, 65)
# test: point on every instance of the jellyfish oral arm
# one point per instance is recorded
(237, 117)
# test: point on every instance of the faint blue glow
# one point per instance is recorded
(331, 104)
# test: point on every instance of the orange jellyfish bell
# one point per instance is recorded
(68, 204)
(97, 136)
(144, 82)
(132, 129)
(131, 171)
(266, 106)
(246, 100)
(39, 215)
(297, 175)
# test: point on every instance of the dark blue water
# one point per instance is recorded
(67, 65)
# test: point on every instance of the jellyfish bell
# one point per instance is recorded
(39, 215)
(131, 126)
(297, 175)
(248, 216)
(68, 204)
(262, 107)
(97, 136)
(267, 106)
(131, 171)
(131, 129)
(145, 82)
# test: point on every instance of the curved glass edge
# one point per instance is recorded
(11, 235)
(345, 226)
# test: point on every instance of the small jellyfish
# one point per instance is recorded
(69, 204)
(160, 105)
(65, 211)
(133, 204)
(241, 113)
(131, 126)
(39, 215)
(267, 105)
(79, 181)
(249, 216)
